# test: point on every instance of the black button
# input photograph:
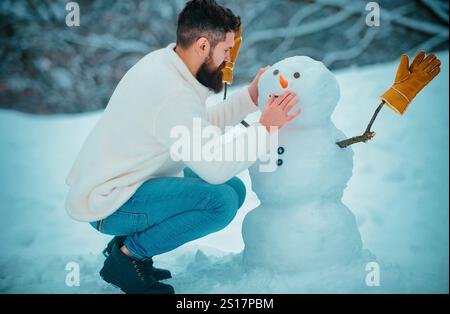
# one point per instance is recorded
(280, 150)
(279, 162)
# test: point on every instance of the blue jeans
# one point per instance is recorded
(166, 212)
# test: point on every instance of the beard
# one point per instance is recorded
(210, 77)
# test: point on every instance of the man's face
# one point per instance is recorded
(210, 72)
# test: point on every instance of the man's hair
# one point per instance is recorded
(205, 18)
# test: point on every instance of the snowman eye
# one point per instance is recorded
(276, 72)
(296, 75)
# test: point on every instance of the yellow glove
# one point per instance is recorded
(410, 80)
(228, 69)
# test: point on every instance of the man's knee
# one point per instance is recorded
(239, 188)
(236, 183)
(224, 204)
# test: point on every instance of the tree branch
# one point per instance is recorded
(393, 17)
(366, 136)
(352, 52)
(308, 28)
(437, 9)
(356, 139)
(295, 21)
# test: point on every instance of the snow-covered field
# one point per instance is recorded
(398, 192)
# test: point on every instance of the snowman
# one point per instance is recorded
(302, 224)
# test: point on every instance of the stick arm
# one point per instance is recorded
(366, 136)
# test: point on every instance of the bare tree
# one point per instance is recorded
(48, 67)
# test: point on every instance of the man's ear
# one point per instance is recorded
(202, 47)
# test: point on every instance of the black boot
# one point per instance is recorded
(158, 273)
(130, 275)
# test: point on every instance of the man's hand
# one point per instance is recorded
(276, 111)
(253, 87)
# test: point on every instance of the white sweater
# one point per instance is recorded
(131, 141)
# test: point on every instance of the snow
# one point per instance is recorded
(398, 193)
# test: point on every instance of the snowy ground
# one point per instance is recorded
(398, 192)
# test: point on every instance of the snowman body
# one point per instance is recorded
(302, 223)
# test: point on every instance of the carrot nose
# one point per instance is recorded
(283, 82)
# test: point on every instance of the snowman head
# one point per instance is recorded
(316, 87)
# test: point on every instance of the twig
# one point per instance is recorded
(374, 116)
(356, 139)
(225, 91)
(366, 136)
